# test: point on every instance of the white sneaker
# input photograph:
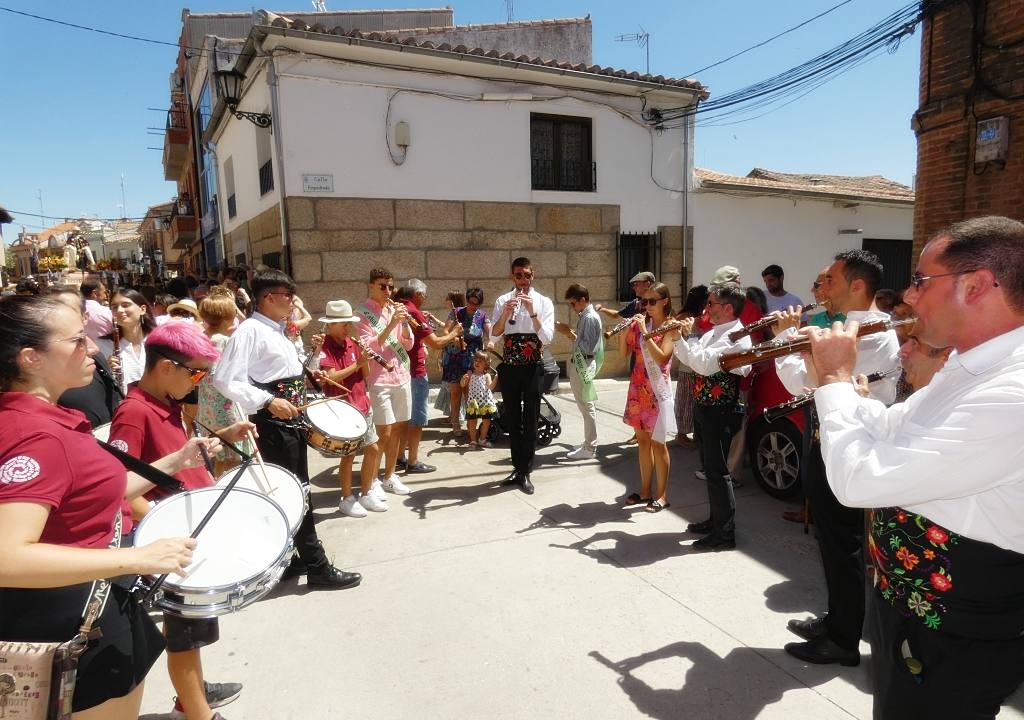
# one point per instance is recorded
(580, 453)
(699, 474)
(377, 491)
(395, 486)
(350, 506)
(371, 502)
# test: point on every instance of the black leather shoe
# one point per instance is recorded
(525, 485)
(810, 629)
(700, 528)
(512, 479)
(420, 467)
(331, 578)
(295, 568)
(401, 463)
(715, 543)
(822, 651)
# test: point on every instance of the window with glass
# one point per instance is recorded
(561, 155)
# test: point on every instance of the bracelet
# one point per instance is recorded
(534, 315)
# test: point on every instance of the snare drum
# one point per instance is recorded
(335, 427)
(281, 486)
(240, 555)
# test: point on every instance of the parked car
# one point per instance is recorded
(775, 449)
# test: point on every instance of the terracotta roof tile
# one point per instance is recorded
(867, 186)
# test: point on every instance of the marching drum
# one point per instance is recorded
(335, 427)
(279, 485)
(240, 555)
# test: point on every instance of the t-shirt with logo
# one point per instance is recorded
(336, 355)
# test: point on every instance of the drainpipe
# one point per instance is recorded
(276, 131)
(688, 128)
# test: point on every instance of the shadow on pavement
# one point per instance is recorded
(430, 499)
(713, 686)
(630, 551)
(587, 515)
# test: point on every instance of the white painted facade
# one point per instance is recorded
(802, 235)
(331, 121)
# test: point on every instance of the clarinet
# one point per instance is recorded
(618, 328)
(780, 348)
(662, 329)
(374, 355)
(119, 372)
(515, 310)
(765, 322)
(781, 410)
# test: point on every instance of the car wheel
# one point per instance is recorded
(775, 455)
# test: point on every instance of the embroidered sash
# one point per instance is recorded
(662, 391)
(378, 324)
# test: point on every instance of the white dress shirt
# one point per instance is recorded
(701, 355)
(259, 350)
(878, 352)
(952, 452)
(99, 321)
(133, 363)
(542, 306)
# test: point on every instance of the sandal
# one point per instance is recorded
(655, 507)
(635, 499)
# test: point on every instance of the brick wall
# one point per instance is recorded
(953, 94)
(452, 245)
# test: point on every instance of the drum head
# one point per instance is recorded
(337, 418)
(279, 485)
(245, 537)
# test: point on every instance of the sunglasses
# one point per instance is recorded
(643, 302)
(194, 374)
(522, 275)
(288, 295)
(917, 279)
(386, 287)
(816, 285)
(81, 341)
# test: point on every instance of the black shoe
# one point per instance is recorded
(822, 651)
(420, 467)
(294, 569)
(512, 479)
(220, 694)
(525, 485)
(401, 463)
(736, 484)
(331, 578)
(811, 629)
(700, 528)
(715, 543)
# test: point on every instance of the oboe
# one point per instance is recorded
(413, 323)
(780, 348)
(662, 329)
(781, 410)
(118, 371)
(618, 328)
(515, 310)
(374, 355)
(766, 322)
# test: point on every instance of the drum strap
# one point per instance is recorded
(148, 472)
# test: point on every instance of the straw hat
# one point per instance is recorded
(338, 311)
(187, 304)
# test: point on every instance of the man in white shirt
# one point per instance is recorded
(850, 284)
(717, 413)
(261, 372)
(778, 298)
(524, 322)
(98, 319)
(946, 470)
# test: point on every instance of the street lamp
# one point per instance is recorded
(229, 85)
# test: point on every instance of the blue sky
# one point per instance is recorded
(73, 113)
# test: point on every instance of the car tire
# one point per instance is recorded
(775, 454)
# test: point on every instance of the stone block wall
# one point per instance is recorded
(452, 245)
(261, 235)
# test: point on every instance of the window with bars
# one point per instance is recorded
(636, 253)
(561, 156)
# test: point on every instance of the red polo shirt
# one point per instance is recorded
(418, 354)
(150, 429)
(335, 356)
(48, 455)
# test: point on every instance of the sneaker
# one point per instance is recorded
(700, 475)
(580, 453)
(377, 490)
(350, 506)
(483, 443)
(371, 502)
(395, 486)
(217, 695)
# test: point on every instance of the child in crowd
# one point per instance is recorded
(478, 385)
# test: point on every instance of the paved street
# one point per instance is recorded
(482, 602)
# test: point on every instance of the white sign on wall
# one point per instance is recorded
(317, 183)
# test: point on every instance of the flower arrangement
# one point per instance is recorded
(52, 262)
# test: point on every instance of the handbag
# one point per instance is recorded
(37, 680)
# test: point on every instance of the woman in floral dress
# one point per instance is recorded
(649, 403)
(476, 331)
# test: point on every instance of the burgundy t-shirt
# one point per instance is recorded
(150, 429)
(337, 356)
(418, 354)
(49, 456)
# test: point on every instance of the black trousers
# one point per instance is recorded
(840, 533)
(962, 678)
(713, 429)
(284, 444)
(520, 393)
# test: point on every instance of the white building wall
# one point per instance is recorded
(801, 235)
(332, 121)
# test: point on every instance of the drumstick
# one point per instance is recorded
(314, 402)
(338, 385)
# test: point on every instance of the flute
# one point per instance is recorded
(118, 372)
(374, 355)
(766, 322)
(775, 412)
(780, 348)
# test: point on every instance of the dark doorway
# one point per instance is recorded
(896, 256)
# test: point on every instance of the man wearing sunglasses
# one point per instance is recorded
(261, 372)
(524, 323)
(850, 283)
(148, 425)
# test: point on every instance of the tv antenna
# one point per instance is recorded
(642, 38)
(320, 5)
(510, 9)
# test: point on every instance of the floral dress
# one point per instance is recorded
(480, 400)
(215, 410)
(456, 363)
(642, 408)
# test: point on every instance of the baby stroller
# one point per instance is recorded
(549, 422)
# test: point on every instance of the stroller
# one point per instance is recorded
(549, 421)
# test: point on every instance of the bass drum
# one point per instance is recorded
(239, 557)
